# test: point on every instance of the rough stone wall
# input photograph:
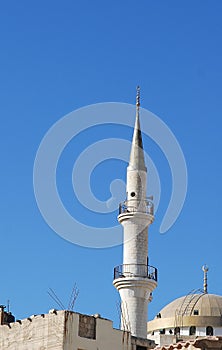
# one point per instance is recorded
(40, 332)
(59, 330)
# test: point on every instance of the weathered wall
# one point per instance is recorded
(105, 336)
(66, 330)
(34, 333)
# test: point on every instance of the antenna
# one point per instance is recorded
(125, 317)
(53, 295)
(119, 311)
(73, 297)
(205, 269)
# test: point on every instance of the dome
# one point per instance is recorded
(203, 304)
(200, 310)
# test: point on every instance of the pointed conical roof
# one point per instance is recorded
(137, 161)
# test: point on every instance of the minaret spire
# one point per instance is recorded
(205, 269)
(137, 154)
(135, 279)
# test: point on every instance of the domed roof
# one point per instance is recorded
(199, 310)
(202, 304)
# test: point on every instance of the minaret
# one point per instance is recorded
(135, 279)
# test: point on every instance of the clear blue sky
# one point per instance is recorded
(57, 56)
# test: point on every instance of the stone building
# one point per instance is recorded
(188, 317)
(198, 314)
(67, 330)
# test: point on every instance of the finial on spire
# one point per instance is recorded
(138, 97)
(205, 269)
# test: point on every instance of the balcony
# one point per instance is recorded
(134, 205)
(135, 270)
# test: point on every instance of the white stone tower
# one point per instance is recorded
(135, 279)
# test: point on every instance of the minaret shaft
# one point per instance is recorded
(135, 280)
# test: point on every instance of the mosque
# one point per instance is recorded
(190, 322)
(198, 314)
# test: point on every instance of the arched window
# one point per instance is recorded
(192, 330)
(209, 330)
(177, 331)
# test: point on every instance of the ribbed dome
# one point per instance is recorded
(206, 304)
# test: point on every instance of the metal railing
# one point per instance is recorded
(134, 205)
(135, 270)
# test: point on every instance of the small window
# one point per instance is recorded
(209, 330)
(196, 312)
(138, 347)
(170, 331)
(132, 194)
(192, 330)
(177, 331)
(162, 331)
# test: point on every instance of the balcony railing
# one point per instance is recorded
(135, 270)
(134, 205)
